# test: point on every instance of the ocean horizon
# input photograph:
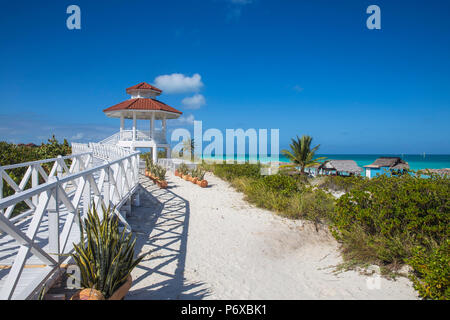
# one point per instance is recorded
(415, 161)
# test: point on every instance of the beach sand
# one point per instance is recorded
(211, 244)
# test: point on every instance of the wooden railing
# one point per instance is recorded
(64, 191)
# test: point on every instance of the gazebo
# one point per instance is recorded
(142, 105)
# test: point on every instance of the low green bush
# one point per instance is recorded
(316, 205)
(340, 183)
(285, 185)
(230, 171)
(431, 275)
(385, 221)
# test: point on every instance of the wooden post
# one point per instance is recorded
(34, 183)
(86, 198)
(107, 188)
(59, 169)
(53, 224)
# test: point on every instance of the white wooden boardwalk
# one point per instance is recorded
(35, 243)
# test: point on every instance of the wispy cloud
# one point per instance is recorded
(179, 83)
(194, 102)
(298, 88)
(235, 8)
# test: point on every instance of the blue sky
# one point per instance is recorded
(305, 67)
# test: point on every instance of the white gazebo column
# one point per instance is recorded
(122, 125)
(164, 127)
(152, 126)
(155, 154)
(134, 126)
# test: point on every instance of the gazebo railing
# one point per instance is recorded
(44, 231)
(158, 136)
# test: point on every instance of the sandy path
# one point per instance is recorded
(210, 244)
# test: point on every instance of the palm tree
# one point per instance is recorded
(189, 146)
(301, 154)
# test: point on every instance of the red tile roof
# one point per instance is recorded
(142, 104)
(144, 85)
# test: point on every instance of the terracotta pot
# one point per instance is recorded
(92, 294)
(203, 183)
(88, 294)
(186, 177)
(146, 173)
(194, 180)
(177, 173)
(163, 184)
(199, 182)
(120, 293)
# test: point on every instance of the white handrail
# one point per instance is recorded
(110, 184)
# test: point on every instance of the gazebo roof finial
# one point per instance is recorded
(143, 90)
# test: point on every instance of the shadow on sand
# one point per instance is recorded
(161, 226)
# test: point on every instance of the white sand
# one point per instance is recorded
(210, 244)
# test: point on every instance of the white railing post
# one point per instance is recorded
(59, 169)
(34, 182)
(106, 188)
(53, 223)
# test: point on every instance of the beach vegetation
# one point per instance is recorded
(392, 221)
(387, 221)
(11, 153)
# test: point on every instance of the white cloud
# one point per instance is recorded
(179, 83)
(182, 121)
(298, 88)
(194, 102)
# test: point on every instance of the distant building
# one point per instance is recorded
(339, 168)
(387, 166)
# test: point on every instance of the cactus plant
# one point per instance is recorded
(104, 256)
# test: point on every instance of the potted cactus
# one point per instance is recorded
(105, 257)
(194, 175)
(184, 171)
(201, 178)
(161, 177)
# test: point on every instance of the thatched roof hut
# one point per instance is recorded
(341, 166)
(395, 163)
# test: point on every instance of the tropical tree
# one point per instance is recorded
(189, 146)
(301, 155)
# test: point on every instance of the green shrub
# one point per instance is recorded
(431, 275)
(230, 171)
(340, 183)
(12, 153)
(316, 205)
(284, 185)
(385, 220)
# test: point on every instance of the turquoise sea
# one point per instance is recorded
(416, 161)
